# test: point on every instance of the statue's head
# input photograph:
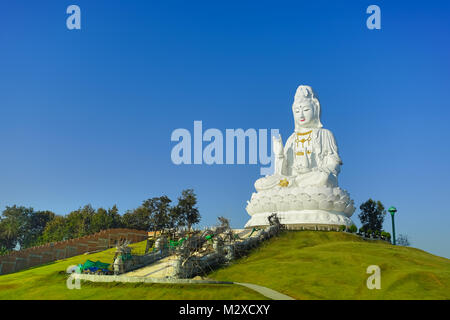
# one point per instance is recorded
(306, 108)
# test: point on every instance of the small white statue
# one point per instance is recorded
(118, 265)
(304, 187)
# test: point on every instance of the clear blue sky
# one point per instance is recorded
(86, 116)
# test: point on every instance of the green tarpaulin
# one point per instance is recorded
(173, 243)
(91, 264)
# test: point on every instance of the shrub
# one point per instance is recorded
(342, 228)
(353, 228)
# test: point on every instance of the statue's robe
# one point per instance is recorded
(319, 153)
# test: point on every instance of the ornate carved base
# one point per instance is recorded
(304, 219)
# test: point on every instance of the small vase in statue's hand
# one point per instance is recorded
(277, 144)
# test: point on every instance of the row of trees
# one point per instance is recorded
(27, 228)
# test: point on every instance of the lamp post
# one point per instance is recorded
(392, 211)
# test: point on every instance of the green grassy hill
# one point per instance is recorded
(303, 264)
(49, 282)
(332, 265)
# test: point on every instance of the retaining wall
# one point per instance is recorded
(126, 279)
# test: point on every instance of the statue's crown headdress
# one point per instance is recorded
(304, 92)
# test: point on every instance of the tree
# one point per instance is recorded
(372, 215)
(55, 230)
(37, 221)
(403, 240)
(159, 213)
(23, 226)
(114, 218)
(3, 250)
(79, 222)
(174, 217)
(136, 219)
(154, 214)
(8, 236)
(14, 226)
(105, 219)
(186, 211)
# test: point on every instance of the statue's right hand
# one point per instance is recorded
(277, 145)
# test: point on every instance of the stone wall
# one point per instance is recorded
(35, 256)
(126, 279)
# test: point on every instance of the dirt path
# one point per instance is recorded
(269, 293)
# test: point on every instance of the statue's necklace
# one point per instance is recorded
(300, 138)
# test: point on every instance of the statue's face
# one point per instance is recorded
(303, 113)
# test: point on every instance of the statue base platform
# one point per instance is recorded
(303, 220)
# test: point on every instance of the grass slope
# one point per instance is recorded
(332, 265)
(49, 282)
(302, 264)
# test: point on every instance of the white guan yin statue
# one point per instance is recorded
(303, 190)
